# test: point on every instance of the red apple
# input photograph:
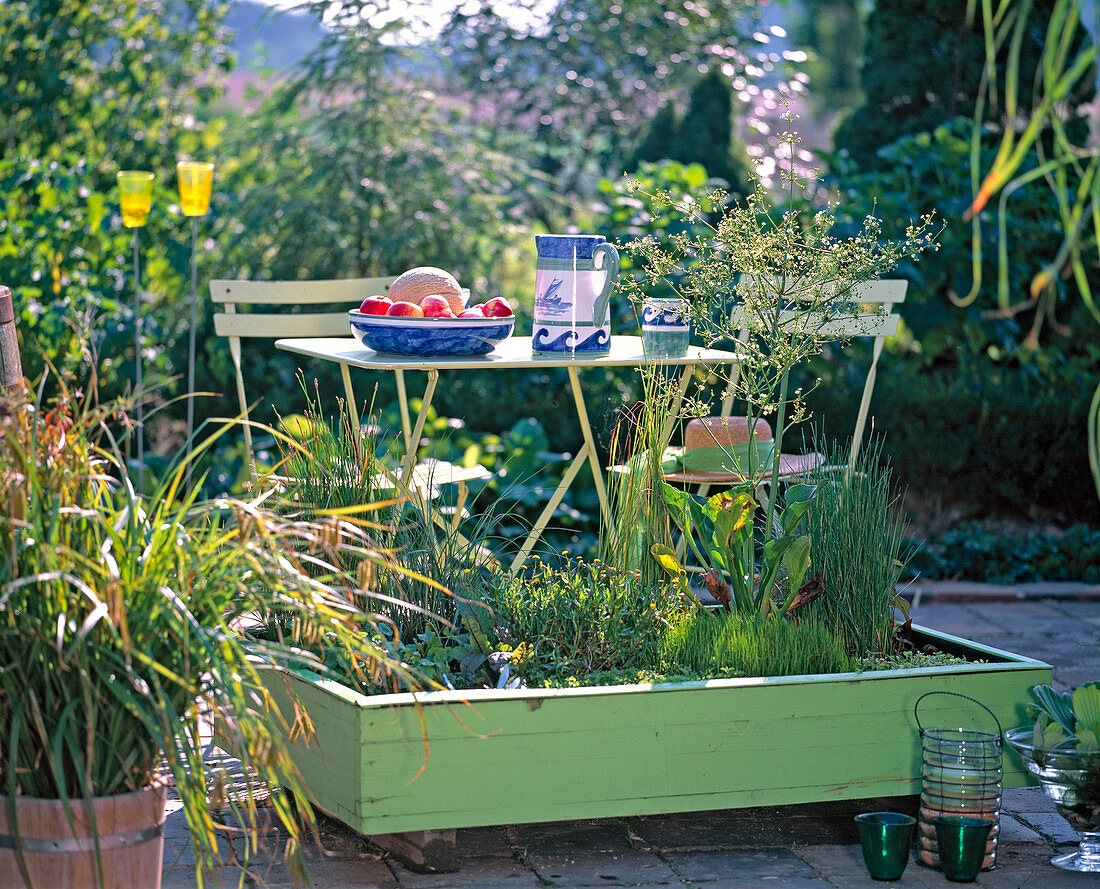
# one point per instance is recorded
(497, 307)
(436, 307)
(472, 312)
(375, 305)
(404, 309)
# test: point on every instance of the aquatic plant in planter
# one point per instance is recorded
(124, 641)
(1062, 749)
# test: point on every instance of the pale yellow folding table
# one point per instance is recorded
(513, 354)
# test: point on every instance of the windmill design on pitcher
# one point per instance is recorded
(573, 295)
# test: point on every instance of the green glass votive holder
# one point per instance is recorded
(885, 838)
(961, 843)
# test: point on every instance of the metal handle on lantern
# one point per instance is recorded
(1000, 731)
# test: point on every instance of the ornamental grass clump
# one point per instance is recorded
(125, 624)
(750, 644)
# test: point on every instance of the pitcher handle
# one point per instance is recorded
(611, 263)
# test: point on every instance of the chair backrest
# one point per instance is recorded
(876, 319)
(286, 296)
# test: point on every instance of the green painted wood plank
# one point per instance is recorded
(534, 755)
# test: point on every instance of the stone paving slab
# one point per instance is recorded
(563, 837)
(473, 873)
(965, 590)
(745, 865)
(592, 869)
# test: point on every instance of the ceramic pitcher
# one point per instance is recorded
(575, 276)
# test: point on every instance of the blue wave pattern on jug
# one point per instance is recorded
(575, 277)
(597, 344)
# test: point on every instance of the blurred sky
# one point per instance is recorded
(432, 13)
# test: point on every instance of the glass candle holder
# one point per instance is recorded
(961, 843)
(135, 191)
(196, 179)
(885, 838)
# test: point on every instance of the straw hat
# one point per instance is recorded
(720, 432)
(716, 450)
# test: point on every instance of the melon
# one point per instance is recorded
(415, 284)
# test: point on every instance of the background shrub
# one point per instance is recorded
(1000, 439)
(969, 552)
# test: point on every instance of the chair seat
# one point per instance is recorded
(790, 465)
(430, 474)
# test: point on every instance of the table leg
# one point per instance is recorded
(403, 402)
(349, 394)
(548, 511)
(414, 439)
(589, 448)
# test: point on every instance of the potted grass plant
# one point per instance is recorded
(125, 644)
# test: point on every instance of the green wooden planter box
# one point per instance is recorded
(506, 757)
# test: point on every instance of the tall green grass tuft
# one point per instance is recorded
(640, 515)
(753, 645)
(327, 463)
(856, 544)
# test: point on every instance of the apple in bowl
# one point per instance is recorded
(497, 307)
(402, 309)
(436, 307)
(376, 305)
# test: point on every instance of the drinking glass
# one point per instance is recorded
(135, 190)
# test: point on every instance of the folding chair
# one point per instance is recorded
(268, 324)
(876, 319)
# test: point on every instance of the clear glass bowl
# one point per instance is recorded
(1072, 779)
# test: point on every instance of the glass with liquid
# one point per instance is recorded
(666, 330)
(135, 196)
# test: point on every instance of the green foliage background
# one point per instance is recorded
(374, 155)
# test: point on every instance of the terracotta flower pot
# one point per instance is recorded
(130, 827)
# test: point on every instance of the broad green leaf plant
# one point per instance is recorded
(773, 279)
(1067, 720)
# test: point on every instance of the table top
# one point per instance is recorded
(514, 352)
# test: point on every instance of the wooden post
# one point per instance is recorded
(422, 851)
(11, 370)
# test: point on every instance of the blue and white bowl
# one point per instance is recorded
(430, 336)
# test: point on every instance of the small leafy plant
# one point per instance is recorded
(1067, 720)
(579, 617)
(720, 533)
